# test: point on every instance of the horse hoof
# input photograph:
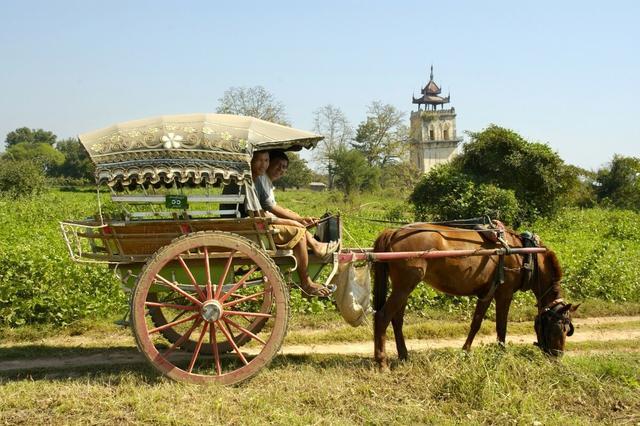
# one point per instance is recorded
(384, 368)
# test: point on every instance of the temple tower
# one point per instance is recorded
(432, 136)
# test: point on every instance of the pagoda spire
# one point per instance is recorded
(431, 95)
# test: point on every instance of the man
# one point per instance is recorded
(292, 234)
(278, 165)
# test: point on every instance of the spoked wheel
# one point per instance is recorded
(175, 334)
(210, 292)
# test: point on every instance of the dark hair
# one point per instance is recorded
(278, 154)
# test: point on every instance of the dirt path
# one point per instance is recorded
(122, 357)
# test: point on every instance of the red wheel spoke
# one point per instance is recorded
(227, 266)
(207, 271)
(244, 330)
(238, 284)
(171, 305)
(233, 344)
(191, 277)
(183, 338)
(178, 289)
(171, 324)
(196, 352)
(244, 299)
(248, 314)
(214, 347)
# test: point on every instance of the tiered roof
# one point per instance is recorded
(431, 94)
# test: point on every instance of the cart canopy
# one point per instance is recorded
(189, 148)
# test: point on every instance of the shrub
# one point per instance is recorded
(446, 194)
(21, 178)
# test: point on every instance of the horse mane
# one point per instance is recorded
(552, 259)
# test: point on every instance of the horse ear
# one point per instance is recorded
(564, 309)
(575, 308)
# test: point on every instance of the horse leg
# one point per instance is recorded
(396, 301)
(397, 322)
(503, 303)
(478, 317)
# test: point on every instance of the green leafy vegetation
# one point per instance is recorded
(497, 170)
(39, 284)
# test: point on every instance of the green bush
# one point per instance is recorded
(446, 194)
(21, 178)
(523, 180)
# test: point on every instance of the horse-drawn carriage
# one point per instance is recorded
(208, 288)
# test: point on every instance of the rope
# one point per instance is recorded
(352, 239)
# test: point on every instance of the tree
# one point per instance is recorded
(536, 174)
(619, 182)
(330, 122)
(382, 136)
(21, 178)
(352, 173)
(401, 175)
(77, 163)
(252, 101)
(446, 194)
(26, 135)
(500, 158)
(298, 174)
(41, 153)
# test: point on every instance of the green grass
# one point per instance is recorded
(440, 386)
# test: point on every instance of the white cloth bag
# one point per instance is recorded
(353, 292)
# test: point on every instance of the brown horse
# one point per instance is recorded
(466, 276)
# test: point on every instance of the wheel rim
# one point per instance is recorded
(213, 292)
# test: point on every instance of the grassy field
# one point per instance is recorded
(53, 309)
(513, 386)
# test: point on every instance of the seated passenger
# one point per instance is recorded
(292, 234)
(278, 165)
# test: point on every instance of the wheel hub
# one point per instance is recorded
(211, 310)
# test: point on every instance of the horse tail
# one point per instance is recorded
(381, 270)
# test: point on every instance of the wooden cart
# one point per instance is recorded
(208, 288)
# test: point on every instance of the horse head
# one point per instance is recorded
(553, 326)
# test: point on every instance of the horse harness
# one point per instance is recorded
(492, 231)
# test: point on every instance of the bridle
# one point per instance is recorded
(553, 312)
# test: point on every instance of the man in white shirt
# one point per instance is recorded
(278, 164)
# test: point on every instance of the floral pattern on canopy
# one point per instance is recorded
(190, 148)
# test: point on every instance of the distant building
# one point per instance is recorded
(432, 136)
(317, 186)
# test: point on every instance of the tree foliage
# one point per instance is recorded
(382, 136)
(447, 194)
(33, 136)
(255, 102)
(536, 174)
(77, 163)
(352, 172)
(298, 173)
(21, 178)
(502, 159)
(40, 153)
(619, 183)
